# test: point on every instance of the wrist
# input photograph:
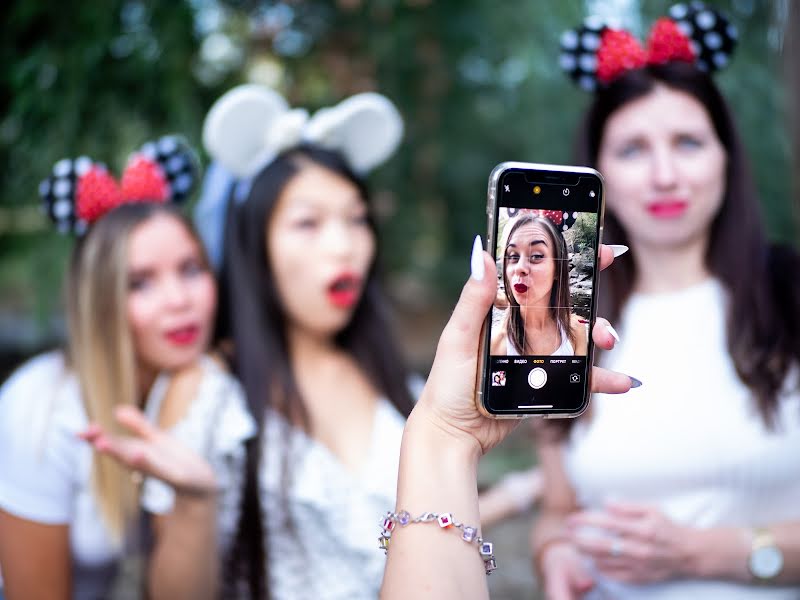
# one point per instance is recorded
(425, 431)
(717, 553)
(438, 471)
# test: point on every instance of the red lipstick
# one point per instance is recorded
(520, 288)
(183, 336)
(345, 290)
(667, 208)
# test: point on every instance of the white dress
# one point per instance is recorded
(332, 554)
(690, 440)
(45, 468)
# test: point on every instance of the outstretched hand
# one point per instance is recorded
(448, 401)
(153, 452)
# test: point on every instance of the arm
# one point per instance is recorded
(723, 552)
(185, 563)
(581, 333)
(556, 560)
(652, 548)
(444, 437)
(184, 560)
(34, 559)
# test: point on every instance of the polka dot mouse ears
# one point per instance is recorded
(595, 54)
(80, 191)
(250, 125)
(563, 220)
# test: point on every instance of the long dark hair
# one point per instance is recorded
(560, 303)
(253, 317)
(762, 280)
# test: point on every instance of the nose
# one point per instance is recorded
(175, 292)
(664, 171)
(338, 239)
(521, 268)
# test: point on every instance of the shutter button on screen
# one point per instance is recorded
(537, 378)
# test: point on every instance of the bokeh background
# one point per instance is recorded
(476, 80)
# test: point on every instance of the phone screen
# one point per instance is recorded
(545, 233)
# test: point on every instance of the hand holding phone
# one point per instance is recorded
(545, 231)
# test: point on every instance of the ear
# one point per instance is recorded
(365, 128)
(235, 130)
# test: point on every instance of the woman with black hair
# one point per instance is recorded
(311, 341)
(689, 487)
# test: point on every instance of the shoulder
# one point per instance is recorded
(217, 405)
(580, 332)
(498, 342)
(40, 415)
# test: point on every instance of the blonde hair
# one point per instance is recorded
(101, 348)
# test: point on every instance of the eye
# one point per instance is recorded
(631, 149)
(307, 223)
(192, 268)
(138, 283)
(361, 218)
(512, 257)
(689, 142)
(537, 257)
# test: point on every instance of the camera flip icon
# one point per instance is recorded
(575, 378)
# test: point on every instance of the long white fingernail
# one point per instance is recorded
(476, 266)
(612, 331)
(618, 249)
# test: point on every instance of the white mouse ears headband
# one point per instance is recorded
(251, 124)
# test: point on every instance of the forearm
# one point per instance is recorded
(185, 560)
(548, 531)
(437, 474)
(723, 552)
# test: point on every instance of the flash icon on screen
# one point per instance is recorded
(508, 188)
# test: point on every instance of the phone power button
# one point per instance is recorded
(537, 378)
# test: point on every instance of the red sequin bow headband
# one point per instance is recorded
(596, 54)
(81, 191)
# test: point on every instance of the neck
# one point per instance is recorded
(536, 317)
(308, 348)
(670, 269)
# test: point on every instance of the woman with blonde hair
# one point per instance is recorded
(141, 302)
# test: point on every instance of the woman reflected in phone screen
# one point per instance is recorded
(535, 271)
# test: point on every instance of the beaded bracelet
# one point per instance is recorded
(445, 521)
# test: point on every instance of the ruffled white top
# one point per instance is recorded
(45, 468)
(330, 551)
(690, 440)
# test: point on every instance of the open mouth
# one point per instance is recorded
(520, 288)
(184, 336)
(344, 291)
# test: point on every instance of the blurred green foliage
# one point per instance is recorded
(476, 80)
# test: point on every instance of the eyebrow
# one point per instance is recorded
(533, 243)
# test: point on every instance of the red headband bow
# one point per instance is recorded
(693, 33)
(619, 51)
(79, 192)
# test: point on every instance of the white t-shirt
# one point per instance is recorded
(689, 441)
(45, 468)
(333, 554)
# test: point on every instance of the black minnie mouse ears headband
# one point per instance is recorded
(80, 191)
(595, 54)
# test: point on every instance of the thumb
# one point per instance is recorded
(134, 421)
(462, 332)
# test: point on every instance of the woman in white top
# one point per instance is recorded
(690, 486)
(538, 319)
(311, 342)
(141, 303)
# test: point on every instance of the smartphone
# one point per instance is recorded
(545, 230)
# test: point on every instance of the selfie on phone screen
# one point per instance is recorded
(545, 241)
